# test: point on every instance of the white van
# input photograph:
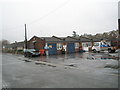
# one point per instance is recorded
(102, 46)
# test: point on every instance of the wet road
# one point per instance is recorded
(87, 71)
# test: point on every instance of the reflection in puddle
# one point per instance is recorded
(102, 57)
(74, 57)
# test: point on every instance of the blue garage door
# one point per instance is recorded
(71, 47)
(52, 49)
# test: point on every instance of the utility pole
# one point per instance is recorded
(119, 24)
(118, 33)
(119, 27)
(25, 37)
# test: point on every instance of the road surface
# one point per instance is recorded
(72, 71)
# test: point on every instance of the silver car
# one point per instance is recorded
(31, 52)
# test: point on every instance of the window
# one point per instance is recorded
(59, 46)
(87, 44)
(76, 45)
(96, 44)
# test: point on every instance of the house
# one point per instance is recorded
(38, 43)
(68, 44)
(73, 43)
(7, 47)
(57, 45)
(14, 46)
(54, 43)
(20, 45)
(85, 43)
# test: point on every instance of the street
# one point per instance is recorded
(81, 70)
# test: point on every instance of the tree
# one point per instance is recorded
(113, 35)
(5, 42)
(106, 35)
(75, 34)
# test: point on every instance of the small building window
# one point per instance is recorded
(87, 44)
(76, 45)
(59, 46)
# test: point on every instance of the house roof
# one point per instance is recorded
(84, 39)
(71, 39)
(20, 44)
(52, 39)
(13, 45)
(74, 39)
(59, 39)
(65, 39)
(8, 46)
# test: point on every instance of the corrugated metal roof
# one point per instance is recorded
(51, 39)
(84, 39)
(60, 39)
(71, 39)
(66, 39)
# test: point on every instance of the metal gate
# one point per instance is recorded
(52, 49)
(71, 47)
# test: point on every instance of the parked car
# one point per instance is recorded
(99, 46)
(31, 52)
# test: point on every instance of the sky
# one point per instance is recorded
(56, 17)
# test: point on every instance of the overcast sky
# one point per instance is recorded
(56, 17)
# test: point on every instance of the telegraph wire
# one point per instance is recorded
(44, 16)
(49, 13)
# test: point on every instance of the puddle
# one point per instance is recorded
(110, 66)
(72, 65)
(102, 57)
(75, 57)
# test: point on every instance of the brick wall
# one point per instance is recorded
(36, 43)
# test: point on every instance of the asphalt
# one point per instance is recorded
(83, 70)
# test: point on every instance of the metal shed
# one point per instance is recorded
(52, 44)
(71, 44)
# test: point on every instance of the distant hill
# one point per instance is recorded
(107, 35)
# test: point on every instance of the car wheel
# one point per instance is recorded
(30, 55)
(25, 54)
(94, 51)
(113, 51)
(98, 51)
